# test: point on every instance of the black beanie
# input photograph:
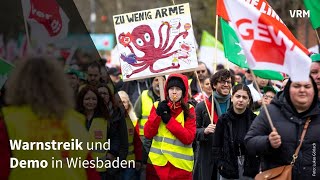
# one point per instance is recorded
(175, 81)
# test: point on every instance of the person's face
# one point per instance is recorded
(240, 101)
(301, 95)
(90, 101)
(315, 73)
(175, 93)
(202, 71)
(223, 87)
(262, 82)
(155, 84)
(114, 78)
(73, 81)
(125, 104)
(237, 78)
(206, 86)
(249, 76)
(267, 97)
(93, 75)
(103, 91)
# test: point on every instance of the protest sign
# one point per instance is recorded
(155, 42)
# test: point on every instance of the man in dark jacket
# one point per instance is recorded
(221, 82)
(289, 111)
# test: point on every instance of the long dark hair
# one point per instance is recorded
(186, 111)
(244, 88)
(100, 110)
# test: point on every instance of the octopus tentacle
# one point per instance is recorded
(139, 70)
(185, 34)
(163, 69)
(168, 55)
(167, 38)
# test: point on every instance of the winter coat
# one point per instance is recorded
(185, 134)
(226, 148)
(204, 165)
(289, 126)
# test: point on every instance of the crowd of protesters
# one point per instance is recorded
(208, 125)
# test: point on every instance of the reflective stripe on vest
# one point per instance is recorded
(98, 134)
(166, 147)
(130, 131)
(146, 103)
(23, 124)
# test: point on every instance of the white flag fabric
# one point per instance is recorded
(47, 20)
(267, 42)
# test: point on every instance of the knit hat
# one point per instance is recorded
(175, 81)
(315, 57)
(269, 88)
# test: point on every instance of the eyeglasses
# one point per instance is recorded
(267, 96)
(201, 71)
(224, 82)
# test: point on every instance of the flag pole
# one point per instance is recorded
(216, 45)
(27, 29)
(205, 102)
(263, 104)
(215, 61)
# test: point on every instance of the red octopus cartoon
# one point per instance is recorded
(142, 38)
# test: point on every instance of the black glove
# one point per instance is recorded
(163, 108)
(166, 117)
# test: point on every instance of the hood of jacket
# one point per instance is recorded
(185, 82)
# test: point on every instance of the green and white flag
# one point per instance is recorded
(234, 52)
(207, 50)
(314, 8)
(5, 69)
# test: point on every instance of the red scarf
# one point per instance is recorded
(215, 115)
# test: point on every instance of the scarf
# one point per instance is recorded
(220, 99)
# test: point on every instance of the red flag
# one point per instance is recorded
(221, 10)
(47, 20)
(267, 42)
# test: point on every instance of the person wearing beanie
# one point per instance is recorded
(172, 128)
(315, 70)
(290, 110)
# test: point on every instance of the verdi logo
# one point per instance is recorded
(299, 13)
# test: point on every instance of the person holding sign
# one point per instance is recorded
(290, 110)
(172, 127)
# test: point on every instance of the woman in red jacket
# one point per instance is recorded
(171, 126)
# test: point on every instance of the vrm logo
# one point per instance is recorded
(299, 13)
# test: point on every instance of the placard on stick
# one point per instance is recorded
(155, 42)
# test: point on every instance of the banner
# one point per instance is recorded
(103, 41)
(267, 42)
(155, 42)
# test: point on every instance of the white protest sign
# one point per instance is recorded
(155, 42)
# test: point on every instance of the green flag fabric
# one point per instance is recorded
(5, 69)
(208, 40)
(234, 53)
(314, 7)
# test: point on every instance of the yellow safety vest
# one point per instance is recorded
(147, 104)
(130, 129)
(98, 134)
(23, 124)
(166, 147)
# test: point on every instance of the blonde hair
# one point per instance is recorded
(41, 84)
(124, 97)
